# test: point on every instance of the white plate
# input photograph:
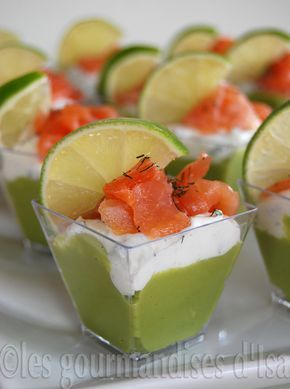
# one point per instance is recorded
(40, 330)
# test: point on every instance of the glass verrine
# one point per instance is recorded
(20, 173)
(143, 298)
(226, 150)
(272, 228)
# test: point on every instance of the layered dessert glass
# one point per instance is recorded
(144, 256)
(272, 228)
(222, 126)
(20, 157)
(84, 49)
(191, 95)
(20, 172)
(226, 150)
(21, 165)
(139, 295)
(261, 65)
(123, 76)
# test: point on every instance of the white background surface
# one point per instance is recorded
(41, 22)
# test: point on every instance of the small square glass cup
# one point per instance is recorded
(272, 229)
(227, 156)
(143, 298)
(20, 182)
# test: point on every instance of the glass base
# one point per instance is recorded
(279, 298)
(139, 356)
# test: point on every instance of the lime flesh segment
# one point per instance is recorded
(87, 38)
(267, 157)
(76, 169)
(254, 52)
(21, 100)
(17, 60)
(176, 87)
(7, 37)
(193, 38)
(127, 69)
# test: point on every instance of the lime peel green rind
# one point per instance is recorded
(153, 126)
(253, 142)
(21, 100)
(158, 129)
(116, 59)
(210, 30)
(11, 88)
(263, 31)
(195, 56)
(24, 46)
(66, 60)
(17, 59)
(250, 59)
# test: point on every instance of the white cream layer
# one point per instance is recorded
(219, 145)
(271, 213)
(132, 269)
(85, 82)
(61, 103)
(21, 162)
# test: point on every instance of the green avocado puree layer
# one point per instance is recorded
(276, 254)
(174, 305)
(21, 192)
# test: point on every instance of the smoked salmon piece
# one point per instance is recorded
(145, 200)
(278, 187)
(220, 196)
(155, 213)
(118, 216)
(61, 122)
(147, 191)
(225, 109)
(121, 188)
(61, 88)
(95, 64)
(205, 196)
(262, 110)
(195, 195)
(195, 170)
(222, 45)
(277, 77)
(129, 97)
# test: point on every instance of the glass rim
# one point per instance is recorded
(251, 210)
(242, 183)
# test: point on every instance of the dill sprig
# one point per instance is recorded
(127, 175)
